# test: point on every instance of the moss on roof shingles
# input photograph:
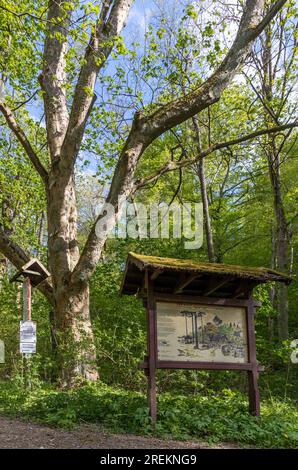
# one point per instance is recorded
(258, 273)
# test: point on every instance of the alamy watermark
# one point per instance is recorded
(140, 221)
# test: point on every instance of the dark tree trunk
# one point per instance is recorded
(272, 292)
(207, 220)
(200, 170)
(273, 157)
(282, 241)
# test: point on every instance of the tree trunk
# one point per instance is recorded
(200, 169)
(76, 349)
(273, 158)
(207, 221)
(272, 291)
(282, 243)
(74, 338)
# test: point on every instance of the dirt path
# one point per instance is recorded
(17, 434)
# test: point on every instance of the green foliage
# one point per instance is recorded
(223, 417)
(175, 55)
(41, 364)
(20, 57)
(119, 325)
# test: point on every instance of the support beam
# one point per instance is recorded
(28, 271)
(184, 282)
(155, 274)
(240, 290)
(247, 366)
(244, 288)
(195, 299)
(253, 388)
(215, 286)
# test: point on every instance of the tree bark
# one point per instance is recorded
(200, 169)
(207, 219)
(272, 291)
(74, 338)
(282, 240)
(76, 352)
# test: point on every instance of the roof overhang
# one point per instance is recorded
(189, 277)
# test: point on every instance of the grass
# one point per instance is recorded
(215, 418)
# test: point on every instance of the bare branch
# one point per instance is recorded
(22, 138)
(22, 14)
(19, 105)
(272, 12)
(172, 166)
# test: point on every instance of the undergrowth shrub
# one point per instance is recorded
(221, 417)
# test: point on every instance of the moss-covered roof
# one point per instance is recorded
(187, 265)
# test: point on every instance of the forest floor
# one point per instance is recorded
(18, 434)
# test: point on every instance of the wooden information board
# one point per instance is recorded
(199, 316)
(190, 332)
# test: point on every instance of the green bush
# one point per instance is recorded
(201, 410)
(221, 417)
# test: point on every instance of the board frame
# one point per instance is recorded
(151, 362)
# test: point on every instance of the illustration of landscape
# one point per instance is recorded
(201, 333)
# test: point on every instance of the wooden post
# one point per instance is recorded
(254, 396)
(27, 317)
(26, 299)
(196, 332)
(152, 348)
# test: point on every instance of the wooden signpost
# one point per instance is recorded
(199, 316)
(31, 274)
